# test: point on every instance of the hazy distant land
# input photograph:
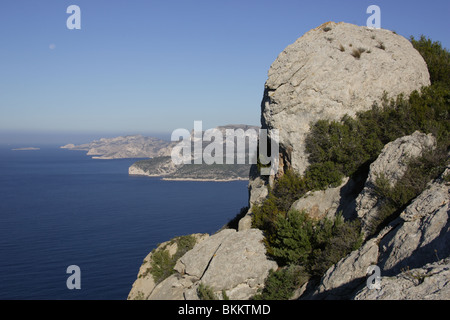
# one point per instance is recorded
(26, 149)
(159, 162)
(134, 146)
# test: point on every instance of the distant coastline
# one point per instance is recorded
(205, 180)
(26, 149)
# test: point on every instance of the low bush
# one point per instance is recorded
(420, 171)
(314, 244)
(162, 263)
(436, 57)
(281, 284)
(205, 292)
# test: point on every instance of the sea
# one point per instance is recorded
(60, 208)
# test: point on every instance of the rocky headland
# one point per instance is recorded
(134, 146)
(339, 206)
(164, 167)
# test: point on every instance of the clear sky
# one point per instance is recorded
(151, 66)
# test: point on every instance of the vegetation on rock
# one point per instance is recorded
(346, 148)
(163, 263)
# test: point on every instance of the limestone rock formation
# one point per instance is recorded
(228, 261)
(345, 276)
(329, 202)
(430, 282)
(419, 237)
(392, 164)
(145, 284)
(333, 70)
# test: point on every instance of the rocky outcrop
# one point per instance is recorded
(430, 282)
(423, 233)
(334, 70)
(156, 167)
(145, 283)
(343, 278)
(419, 237)
(390, 164)
(229, 261)
(329, 202)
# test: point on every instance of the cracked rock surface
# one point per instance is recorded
(412, 254)
(319, 76)
(229, 261)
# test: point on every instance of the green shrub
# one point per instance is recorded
(314, 244)
(162, 263)
(420, 171)
(184, 244)
(291, 242)
(287, 189)
(320, 176)
(205, 292)
(333, 240)
(281, 284)
(436, 57)
(447, 178)
(342, 148)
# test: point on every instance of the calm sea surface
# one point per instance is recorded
(60, 208)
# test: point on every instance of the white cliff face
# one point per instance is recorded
(333, 70)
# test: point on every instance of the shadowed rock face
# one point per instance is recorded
(412, 254)
(392, 164)
(333, 70)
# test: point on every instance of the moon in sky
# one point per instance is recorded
(52, 46)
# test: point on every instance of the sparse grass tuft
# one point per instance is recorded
(356, 53)
(205, 292)
(380, 45)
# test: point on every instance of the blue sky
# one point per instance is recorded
(153, 66)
